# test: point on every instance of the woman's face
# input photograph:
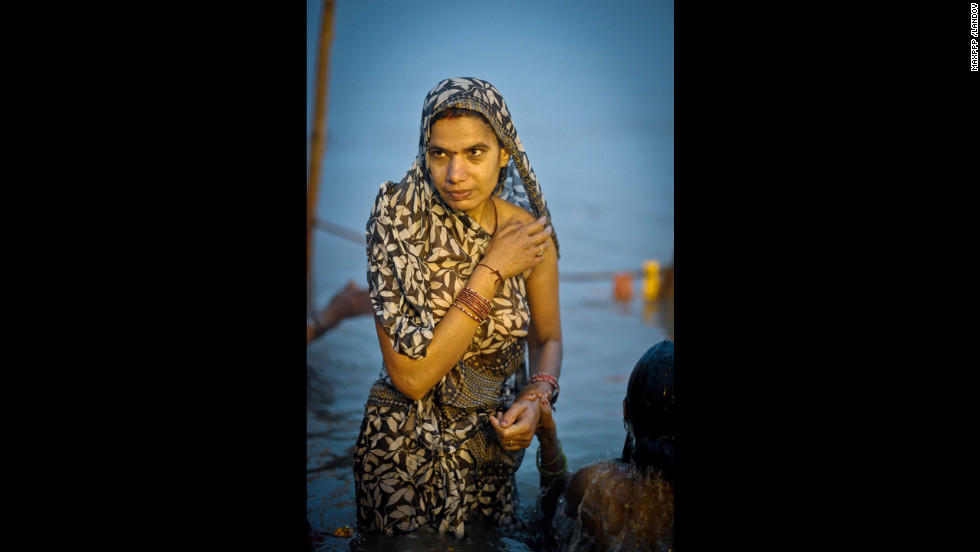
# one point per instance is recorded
(465, 159)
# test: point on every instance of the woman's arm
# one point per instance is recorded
(450, 339)
(551, 461)
(511, 252)
(544, 335)
(518, 424)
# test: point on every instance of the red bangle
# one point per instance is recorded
(468, 313)
(475, 299)
(547, 378)
(474, 302)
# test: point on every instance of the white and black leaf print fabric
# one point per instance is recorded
(409, 221)
(437, 461)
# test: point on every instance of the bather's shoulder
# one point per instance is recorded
(584, 477)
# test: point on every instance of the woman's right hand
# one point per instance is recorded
(517, 247)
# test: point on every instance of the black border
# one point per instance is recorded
(153, 198)
(152, 395)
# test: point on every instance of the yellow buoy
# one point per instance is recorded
(652, 280)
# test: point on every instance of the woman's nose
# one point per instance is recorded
(457, 170)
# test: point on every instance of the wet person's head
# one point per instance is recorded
(648, 410)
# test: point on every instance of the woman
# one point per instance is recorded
(463, 276)
(626, 503)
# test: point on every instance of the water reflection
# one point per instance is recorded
(660, 313)
(604, 337)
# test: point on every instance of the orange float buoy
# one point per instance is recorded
(622, 286)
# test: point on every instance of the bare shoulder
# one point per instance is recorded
(583, 479)
(508, 213)
(587, 472)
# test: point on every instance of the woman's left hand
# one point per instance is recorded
(515, 428)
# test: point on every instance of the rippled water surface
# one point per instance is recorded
(603, 339)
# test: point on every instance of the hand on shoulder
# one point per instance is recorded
(520, 241)
(509, 213)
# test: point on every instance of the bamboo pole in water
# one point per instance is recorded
(319, 139)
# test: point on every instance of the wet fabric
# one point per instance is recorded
(437, 461)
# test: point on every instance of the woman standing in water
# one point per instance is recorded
(463, 277)
(625, 503)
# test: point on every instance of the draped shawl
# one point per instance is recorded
(409, 216)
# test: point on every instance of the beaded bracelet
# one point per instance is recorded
(468, 300)
(547, 378)
(468, 313)
(468, 306)
(475, 295)
(475, 301)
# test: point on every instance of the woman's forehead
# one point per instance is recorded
(462, 132)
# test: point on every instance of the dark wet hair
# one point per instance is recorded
(649, 408)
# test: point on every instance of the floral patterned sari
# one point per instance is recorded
(436, 461)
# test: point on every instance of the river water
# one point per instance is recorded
(590, 88)
(603, 339)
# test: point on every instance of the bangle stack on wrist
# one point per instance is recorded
(547, 378)
(473, 304)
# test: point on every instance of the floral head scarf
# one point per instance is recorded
(404, 214)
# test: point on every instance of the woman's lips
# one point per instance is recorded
(459, 195)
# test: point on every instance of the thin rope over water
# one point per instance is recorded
(340, 231)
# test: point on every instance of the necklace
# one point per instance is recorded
(494, 205)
